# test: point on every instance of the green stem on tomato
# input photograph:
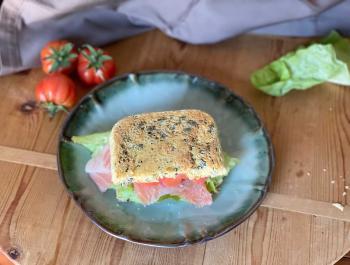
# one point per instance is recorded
(95, 58)
(52, 108)
(61, 57)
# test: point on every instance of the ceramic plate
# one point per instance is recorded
(168, 223)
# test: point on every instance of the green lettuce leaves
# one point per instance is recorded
(327, 61)
(126, 193)
(94, 142)
(230, 162)
(213, 183)
(169, 196)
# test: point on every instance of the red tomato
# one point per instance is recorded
(58, 56)
(173, 182)
(95, 66)
(56, 92)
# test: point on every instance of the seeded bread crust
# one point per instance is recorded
(150, 146)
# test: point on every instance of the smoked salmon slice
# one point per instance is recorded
(99, 169)
(193, 191)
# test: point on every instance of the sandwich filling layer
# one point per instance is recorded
(198, 192)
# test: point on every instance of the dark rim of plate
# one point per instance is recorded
(185, 242)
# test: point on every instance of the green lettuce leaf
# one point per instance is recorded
(342, 49)
(327, 61)
(230, 162)
(213, 183)
(93, 142)
(126, 193)
(169, 196)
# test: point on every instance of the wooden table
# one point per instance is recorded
(297, 223)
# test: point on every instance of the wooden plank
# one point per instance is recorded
(306, 206)
(44, 225)
(26, 157)
(264, 238)
(23, 124)
(136, 254)
(47, 228)
(273, 200)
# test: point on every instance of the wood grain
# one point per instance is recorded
(273, 200)
(306, 206)
(310, 131)
(30, 158)
(62, 235)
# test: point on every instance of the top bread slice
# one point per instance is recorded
(150, 146)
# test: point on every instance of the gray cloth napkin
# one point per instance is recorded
(26, 25)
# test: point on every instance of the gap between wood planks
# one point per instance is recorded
(272, 200)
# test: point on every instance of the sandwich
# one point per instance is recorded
(151, 157)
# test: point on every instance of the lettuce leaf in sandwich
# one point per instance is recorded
(94, 142)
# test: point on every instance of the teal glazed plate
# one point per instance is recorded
(168, 223)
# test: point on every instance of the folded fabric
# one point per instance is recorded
(25, 26)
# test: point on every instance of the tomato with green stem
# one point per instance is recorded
(59, 56)
(95, 65)
(56, 92)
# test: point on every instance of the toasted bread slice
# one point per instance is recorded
(150, 146)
